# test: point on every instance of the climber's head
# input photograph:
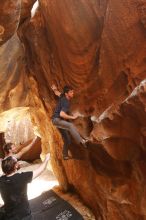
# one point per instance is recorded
(9, 165)
(9, 148)
(68, 92)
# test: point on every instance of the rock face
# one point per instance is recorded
(99, 48)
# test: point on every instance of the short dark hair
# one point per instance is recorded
(8, 164)
(66, 89)
(7, 147)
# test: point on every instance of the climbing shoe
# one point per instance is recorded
(84, 143)
(66, 157)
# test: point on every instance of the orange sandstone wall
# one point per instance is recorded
(99, 48)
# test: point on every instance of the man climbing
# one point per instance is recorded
(10, 149)
(61, 119)
(13, 189)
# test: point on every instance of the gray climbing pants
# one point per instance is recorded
(60, 123)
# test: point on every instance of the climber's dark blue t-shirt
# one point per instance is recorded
(63, 105)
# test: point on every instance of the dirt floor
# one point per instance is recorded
(48, 181)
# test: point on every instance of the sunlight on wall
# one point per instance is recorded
(34, 8)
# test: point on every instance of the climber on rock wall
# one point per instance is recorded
(61, 119)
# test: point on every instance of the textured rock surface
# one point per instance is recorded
(98, 47)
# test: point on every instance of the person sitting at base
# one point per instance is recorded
(61, 116)
(13, 189)
(10, 149)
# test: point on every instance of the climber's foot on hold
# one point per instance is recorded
(84, 143)
(66, 157)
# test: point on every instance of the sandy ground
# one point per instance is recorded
(48, 181)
